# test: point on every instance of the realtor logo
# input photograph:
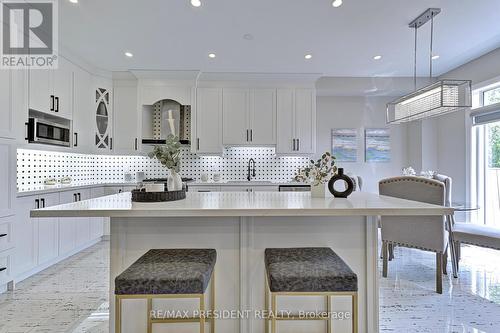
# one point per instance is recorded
(29, 34)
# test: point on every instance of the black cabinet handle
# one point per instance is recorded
(74, 197)
(43, 202)
(298, 144)
(293, 144)
(110, 143)
(76, 139)
(3, 269)
(51, 102)
(247, 135)
(3, 235)
(136, 144)
(120, 191)
(57, 104)
(198, 144)
(37, 203)
(26, 137)
(251, 135)
(79, 197)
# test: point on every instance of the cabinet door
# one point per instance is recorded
(305, 120)
(6, 107)
(83, 112)
(7, 176)
(48, 233)
(263, 116)
(25, 235)
(235, 108)
(40, 90)
(125, 134)
(63, 89)
(209, 120)
(82, 223)
(67, 226)
(285, 122)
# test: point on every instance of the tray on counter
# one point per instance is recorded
(142, 196)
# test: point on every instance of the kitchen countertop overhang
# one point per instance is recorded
(220, 204)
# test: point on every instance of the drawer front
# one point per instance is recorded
(5, 267)
(6, 237)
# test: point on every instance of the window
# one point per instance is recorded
(491, 96)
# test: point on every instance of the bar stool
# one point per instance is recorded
(311, 271)
(169, 273)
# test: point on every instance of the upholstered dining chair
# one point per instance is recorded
(426, 233)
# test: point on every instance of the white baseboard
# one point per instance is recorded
(49, 263)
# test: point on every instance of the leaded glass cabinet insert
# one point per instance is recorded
(102, 136)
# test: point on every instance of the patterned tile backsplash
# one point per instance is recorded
(34, 166)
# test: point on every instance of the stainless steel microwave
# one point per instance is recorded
(43, 131)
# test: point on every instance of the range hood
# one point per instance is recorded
(170, 117)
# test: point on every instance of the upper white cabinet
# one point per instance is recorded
(6, 109)
(83, 114)
(208, 121)
(235, 117)
(262, 116)
(249, 116)
(296, 119)
(50, 90)
(126, 117)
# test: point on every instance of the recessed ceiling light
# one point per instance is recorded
(248, 36)
(129, 54)
(377, 57)
(337, 3)
(308, 56)
(73, 1)
(435, 57)
(196, 3)
(211, 55)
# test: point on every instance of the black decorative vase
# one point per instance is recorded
(341, 177)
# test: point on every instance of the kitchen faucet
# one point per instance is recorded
(251, 171)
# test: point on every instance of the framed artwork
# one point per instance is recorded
(377, 145)
(344, 144)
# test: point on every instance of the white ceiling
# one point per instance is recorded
(173, 35)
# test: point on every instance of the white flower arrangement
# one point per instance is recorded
(318, 172)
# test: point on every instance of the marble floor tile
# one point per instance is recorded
(72, 296)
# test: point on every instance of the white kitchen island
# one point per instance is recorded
(240, 225)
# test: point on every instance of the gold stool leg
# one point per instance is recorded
(212, 301)
(328, 310)
(266, 304)
(355, 313)
(150, 308)
(118, 315)
(273, 309)
(202, 314)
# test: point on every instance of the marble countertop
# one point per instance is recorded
(244, 204)
(42, 189)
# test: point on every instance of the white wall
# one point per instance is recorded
(361, 113)
(452, 129)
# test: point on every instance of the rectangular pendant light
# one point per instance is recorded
(433, 100)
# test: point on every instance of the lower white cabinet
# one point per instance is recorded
(96, 229)
(25, 236)
(73, 231)
(47, 233)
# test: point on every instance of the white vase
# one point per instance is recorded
(174, 181)
(319, 191)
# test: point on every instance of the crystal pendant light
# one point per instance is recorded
(436, 99)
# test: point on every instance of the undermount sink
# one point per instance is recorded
(251, 182)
